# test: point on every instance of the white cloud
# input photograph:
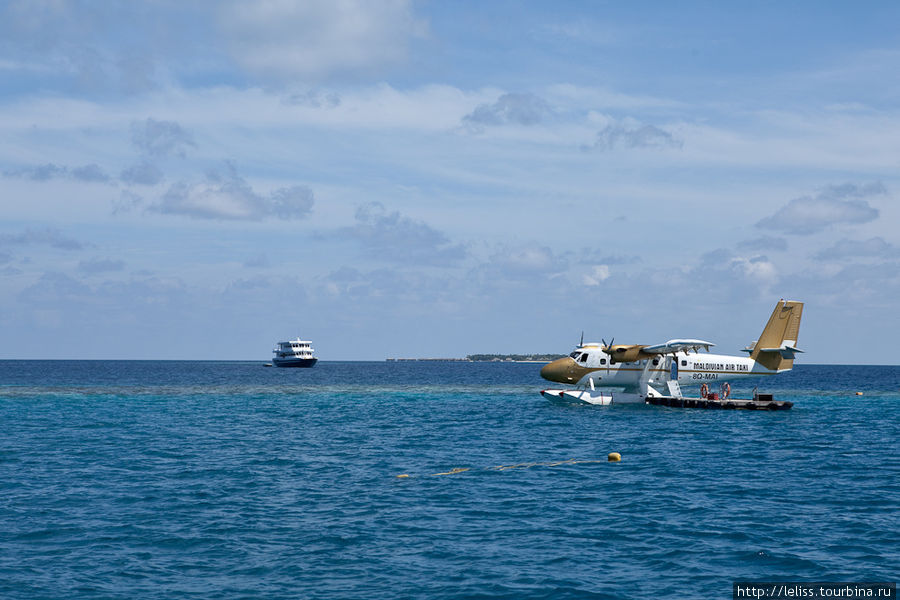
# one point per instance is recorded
(834, 205)
(758, 269)
(78, 47)
(875, 247)
(227, 196)
(397, 238)
(734, 276)
(47, 236)
(160, 138)
(631, 134)
(281, 40)
(512, 108)
(597, 275)
(520, 263)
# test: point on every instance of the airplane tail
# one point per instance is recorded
(777, 344)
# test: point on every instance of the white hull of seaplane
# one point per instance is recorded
(595, 397)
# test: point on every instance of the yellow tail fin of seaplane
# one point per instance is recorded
(777, 344)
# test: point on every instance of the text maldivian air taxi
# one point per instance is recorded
(647, 371)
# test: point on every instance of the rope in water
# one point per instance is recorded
(528, 465)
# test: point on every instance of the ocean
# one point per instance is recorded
(171, 479)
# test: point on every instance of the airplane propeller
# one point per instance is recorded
(581, 343)
(606, 346)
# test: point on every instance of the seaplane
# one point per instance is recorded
(611, 373)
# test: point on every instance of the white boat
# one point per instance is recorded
(294, 353)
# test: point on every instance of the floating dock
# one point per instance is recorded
(761, 402)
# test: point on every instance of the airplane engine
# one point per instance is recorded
(625, 353)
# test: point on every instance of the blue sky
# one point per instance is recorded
(199, 180)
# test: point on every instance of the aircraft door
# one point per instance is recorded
(674, 368)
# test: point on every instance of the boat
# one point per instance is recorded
(294, 353)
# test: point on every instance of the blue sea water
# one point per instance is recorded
(134, 479)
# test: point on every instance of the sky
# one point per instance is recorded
(398, 178)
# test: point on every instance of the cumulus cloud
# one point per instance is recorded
(143, 173)
(293, 202)
(739, 274)
(509, 109)
(527, 263)
(757, 268)
(530, 259)
(226, 195)
(160, 138)
(875, 247)
(597, 275)
(286, 41)
(834, 205)
(393, 293)
(629, 134)
(392, 236)
(47, 236)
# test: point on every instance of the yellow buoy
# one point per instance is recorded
(402, 476)
(859, 393)
(614, 457)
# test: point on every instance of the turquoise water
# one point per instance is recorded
(229, 480)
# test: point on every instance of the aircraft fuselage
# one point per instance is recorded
(589, 362)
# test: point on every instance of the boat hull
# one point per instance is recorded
(302, 363)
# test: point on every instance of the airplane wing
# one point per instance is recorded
(677, 346)
(785, 350)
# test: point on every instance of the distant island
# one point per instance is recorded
(542, 358)
(513, 357)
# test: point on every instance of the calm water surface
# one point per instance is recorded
(133, 479)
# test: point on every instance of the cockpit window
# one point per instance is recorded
(575, 354)
(584, 357)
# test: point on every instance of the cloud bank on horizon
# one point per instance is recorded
(401, 178)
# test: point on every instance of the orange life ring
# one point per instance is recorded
(726, 390)
(704, 390)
